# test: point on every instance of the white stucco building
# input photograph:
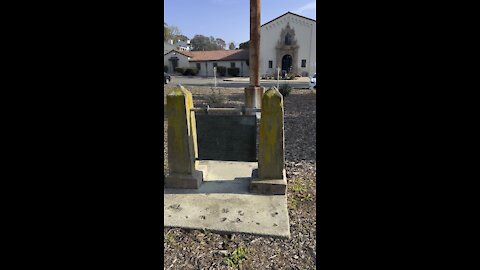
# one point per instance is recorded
(288, 42)
(184, 45)
(205, 61)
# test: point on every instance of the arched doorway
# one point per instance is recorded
(287, 62)
(174, 61)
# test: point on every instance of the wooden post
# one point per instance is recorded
(253, 93)
(254, 44)
(182, 141)
(270, 178)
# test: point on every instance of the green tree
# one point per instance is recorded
(212, 45)
(200, 43)
(166, 32)
(231, 46)
(181, 37)
(220, 44)
(244, 45)
(174, 32)
(203, 43)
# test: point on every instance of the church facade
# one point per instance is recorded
(288, 42)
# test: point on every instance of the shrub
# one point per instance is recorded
(290, 76)
(221, 71)
(179, 70)
(165, 69)
(190, 71)
(233, 71)
(285, 89)
(216, 98)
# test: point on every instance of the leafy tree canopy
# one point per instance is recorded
(172, 32)
(244, 45)
(203, 43)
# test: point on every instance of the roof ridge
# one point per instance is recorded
(288, 12)
(220, 50)
(218, 55)
(179, 51)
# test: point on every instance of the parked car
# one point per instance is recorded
(313, 81)
(166, 78)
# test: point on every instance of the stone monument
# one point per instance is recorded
(270, 178)
(182, 141)
(220, 199)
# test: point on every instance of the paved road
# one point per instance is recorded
(239, 83)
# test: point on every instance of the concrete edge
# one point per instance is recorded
(225, 232)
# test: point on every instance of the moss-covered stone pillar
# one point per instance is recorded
(182, 141)
(270, 178)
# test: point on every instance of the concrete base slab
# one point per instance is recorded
(186, 181)
(224, 204)
(268, 186)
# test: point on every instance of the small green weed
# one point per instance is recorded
(298, 188)
(292, 203)
(308, 197)
(301, 193)
(236, 257)
(285, 89)
(169, 239)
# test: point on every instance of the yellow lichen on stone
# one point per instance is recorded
(181, 157)
(271, 157)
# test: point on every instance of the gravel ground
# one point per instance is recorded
(193, 249)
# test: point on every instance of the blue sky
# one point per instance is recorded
(228, 19)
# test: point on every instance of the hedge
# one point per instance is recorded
(221, 71)
(179, 70)
(190, 71)
(233, 71)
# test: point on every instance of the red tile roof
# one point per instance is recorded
(219, 55)
(186, 53)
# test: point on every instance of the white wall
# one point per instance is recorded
(206, 67)
(305, 34)
(182, 61)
